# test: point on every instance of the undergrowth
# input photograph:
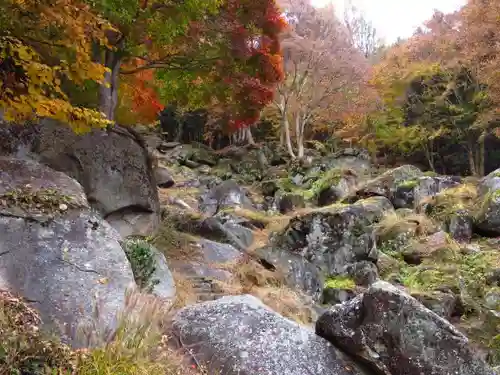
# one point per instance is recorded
(142, 260)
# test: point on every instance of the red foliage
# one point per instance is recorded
(253, 89)
(145, 100)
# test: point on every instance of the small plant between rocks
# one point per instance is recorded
(142, 260)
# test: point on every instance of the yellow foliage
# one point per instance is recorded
(31, 86)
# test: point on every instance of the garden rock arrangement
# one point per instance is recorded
(399, 272)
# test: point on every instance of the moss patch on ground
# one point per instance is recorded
(339, 282)
(174, 244)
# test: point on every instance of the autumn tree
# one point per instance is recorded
(43, 46)
(362, 33)
(230, 46)
(322, 72)
(165, 47)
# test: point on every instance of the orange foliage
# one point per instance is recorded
(139, 92)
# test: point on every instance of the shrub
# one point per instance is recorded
(141, 257)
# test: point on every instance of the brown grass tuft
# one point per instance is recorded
(393, 224)
(252, 278)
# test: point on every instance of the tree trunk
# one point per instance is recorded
(282, 136)
(249, 136)
(288, 139)
(472, 164)
(428, 147)
(482, 147)
(299, 130)
(471, 152)
(108, 92)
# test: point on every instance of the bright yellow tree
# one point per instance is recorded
(45, 45)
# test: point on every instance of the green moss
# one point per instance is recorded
(428, 278)
(339, 282)
(408, 184)
(43, 200)
(465, 273)
(430, 174)
(331, 177)
(141, 257)
(449, 202)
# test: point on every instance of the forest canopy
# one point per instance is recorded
(284, 70)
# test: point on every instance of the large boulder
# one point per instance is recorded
(227, 194)
(410, 193)
(388, 183)
(488, 215)
(56, 252)
(112, 166)
(241, 336)
(394, 334)
(330, 241)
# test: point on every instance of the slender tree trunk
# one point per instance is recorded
(249, 136)
(482, 147)
(288, 138)
(282, 136)
(428, 147)
(472, 164)
(471, 152)
(299, 134)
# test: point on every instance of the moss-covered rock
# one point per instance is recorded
(387, 183)
(454, 208)
(488, 212)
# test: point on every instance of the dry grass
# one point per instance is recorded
(449, 201)
(174, 244)
(138, 347)
(249, 277)
(393, 224)
(185, 293)
(23, 348)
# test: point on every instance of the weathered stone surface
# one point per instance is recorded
(227, 194)
(164, 177)
(461, 226)
(411, 192)
(387, 183)
(112, 166)
(328, 241)
(441, 303)
(396, 335)
(60, 262)
(241, 336)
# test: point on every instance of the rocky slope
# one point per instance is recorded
(327, 266)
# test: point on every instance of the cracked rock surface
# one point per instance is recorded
(65, 264)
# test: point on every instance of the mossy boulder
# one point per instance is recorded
(328, 241)
(488, 214)
(409, 193)
(454, 208)
(392, 333)
(387, 184)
